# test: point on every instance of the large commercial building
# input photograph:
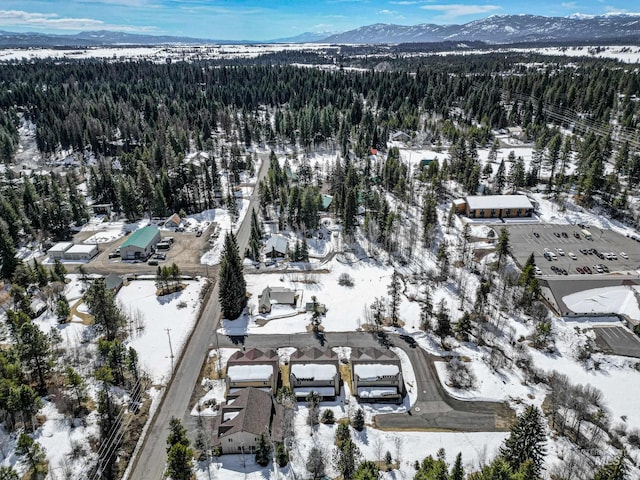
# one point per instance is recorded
(494, 206)
(141, 244)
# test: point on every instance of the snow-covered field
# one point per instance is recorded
(176, 313)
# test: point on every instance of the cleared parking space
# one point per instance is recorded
(617, 340)
(535, 238)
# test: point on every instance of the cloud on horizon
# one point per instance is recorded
(455, 10)
(52, 21)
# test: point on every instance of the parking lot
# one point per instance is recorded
(523, 241)
(617, 340)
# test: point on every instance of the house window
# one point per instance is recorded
(508, 212)
(482, 213)
(231, 439)
(493, 212)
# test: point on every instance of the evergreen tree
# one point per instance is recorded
(32, 454)
(457, 470)
(263, 451)
(179, 455)
(7, 253)
(8, 473)
(394, 295)
(443, 322)
(107, 317)
(526, 441)
(315, 463)
(34, 349)
(464, 327)
(617, 469)
(503, 248)
(358, 420)
(180, 462)
(233, 288)
(345, 458)
(367, 470)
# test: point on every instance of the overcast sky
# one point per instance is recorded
(264, 20)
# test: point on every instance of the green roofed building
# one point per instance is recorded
(326, 202)
(141, 244)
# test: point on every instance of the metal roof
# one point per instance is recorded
(487, 202)
(141, 238)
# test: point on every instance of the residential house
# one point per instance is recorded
(376, 375)
(241, 421)
(315, 370)
(113, 282)
(276, 246)
(173, 221)
(275, 295)
(254, 368)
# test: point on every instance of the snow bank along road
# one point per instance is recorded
(150, 461)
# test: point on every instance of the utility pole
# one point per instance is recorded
(170, 348)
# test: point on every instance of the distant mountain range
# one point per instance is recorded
(496, 29)
(501, 29)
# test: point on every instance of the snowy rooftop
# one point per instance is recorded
(377, 392)
(498, 201)
(61, 247)
(249, 372)
(374, 370)
(316, 371)
(81, 249)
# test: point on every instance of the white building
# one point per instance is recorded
(58, 250)
(81, 252)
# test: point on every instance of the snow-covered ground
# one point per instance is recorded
(176, 313)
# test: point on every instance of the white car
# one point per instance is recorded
(560, 252)
(597, 268)
(624, 255)
(572, 256)
(537, 271)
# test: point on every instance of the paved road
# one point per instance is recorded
(150, 462)
(434, 408)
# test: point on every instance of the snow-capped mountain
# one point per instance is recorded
(502, 29)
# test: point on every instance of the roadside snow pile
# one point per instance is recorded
(620, 299)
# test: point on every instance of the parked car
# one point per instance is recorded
(536, 234)
(160, 256)
(114, 255)
(624, 255)
(580, 270)
(598, 268)
(587, 270)
(557, 234)
(572, 256)
(560, 252)
(576, 234)
(564, 235)
(604, 268)
(564, 271)
(198, 233)
(584, 251)
(537, 271)
(152, 263)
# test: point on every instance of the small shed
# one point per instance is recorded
(173, 221)
(81, 252)
(58, 250)
(276, 246)
(326, 201)
(275, 295)
(113, 282)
